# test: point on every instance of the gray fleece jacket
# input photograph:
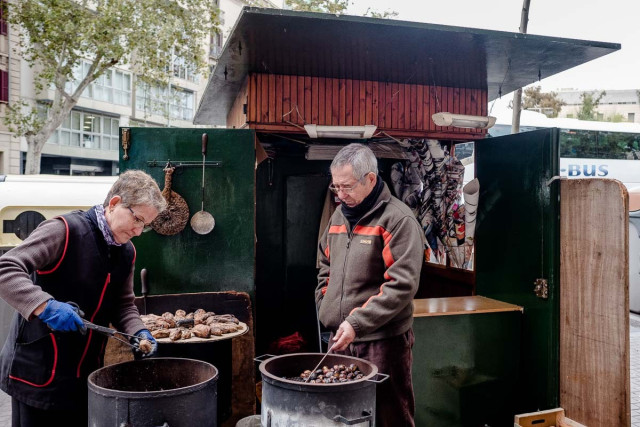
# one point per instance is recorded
(369, 275)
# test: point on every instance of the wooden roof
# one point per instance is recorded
(277, 41)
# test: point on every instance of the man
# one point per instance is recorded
(370, 259)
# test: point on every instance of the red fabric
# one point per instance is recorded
(293, 343)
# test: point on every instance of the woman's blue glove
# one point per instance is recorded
(144, 334)
(61, 316)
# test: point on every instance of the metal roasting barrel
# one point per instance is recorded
(293, 403)
(154, 392)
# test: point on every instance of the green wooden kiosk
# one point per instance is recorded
(487, 345)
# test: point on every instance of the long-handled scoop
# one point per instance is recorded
(144, 287)
(319, 363)
(202, 222)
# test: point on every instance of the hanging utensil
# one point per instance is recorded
(144, 287)
(174, 218)
(202, 222)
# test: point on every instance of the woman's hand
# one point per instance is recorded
(61, 316)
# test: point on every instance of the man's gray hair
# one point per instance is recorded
(359, 156)
(136, 187)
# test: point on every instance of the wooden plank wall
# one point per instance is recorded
(594, 302)
(286, 103)
(236, 118)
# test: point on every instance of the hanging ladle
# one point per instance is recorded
(202, 222)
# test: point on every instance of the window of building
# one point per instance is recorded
(4, 86)
(215, 45)
(631, 117)
(113, 86)
(153, 99)
(87, 130)
(4, 28)
(182, 71)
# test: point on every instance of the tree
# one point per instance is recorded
(387, 14)
(336, 7)
(58, 36)
(547, 103)
(327, 6)
(588, 108)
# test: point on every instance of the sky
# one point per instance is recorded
(613, 21)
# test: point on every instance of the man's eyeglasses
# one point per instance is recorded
(347, 189)
(139, 222)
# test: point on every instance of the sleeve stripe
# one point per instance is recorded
(64, 251)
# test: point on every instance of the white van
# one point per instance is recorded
(27, 200)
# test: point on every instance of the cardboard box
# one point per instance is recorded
(548, 418)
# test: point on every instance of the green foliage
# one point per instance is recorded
(387, 14)
(21, 118)
(589, 108)
(547, 103)
(616, 118)
(327, 6)
(57, 36)
(336, 7)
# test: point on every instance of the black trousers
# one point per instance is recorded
(23, 415)
(395, 402)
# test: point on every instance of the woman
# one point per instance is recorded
(81, 257)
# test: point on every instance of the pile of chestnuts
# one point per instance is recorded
(330, 375)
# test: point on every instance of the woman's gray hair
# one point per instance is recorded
(136, 187)
(359, 156)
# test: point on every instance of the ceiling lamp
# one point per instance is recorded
(346, 132)
(463, 120)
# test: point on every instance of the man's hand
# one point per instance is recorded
(61, 316)
(344, 336)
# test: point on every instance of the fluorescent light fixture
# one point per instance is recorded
(463, 120)
(346, 132)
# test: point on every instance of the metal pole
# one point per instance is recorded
(517, 96)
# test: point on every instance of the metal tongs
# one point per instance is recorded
(111, 333)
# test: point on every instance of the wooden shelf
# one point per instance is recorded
(460, 305)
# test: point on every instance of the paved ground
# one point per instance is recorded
(635, 369)
(5, 401)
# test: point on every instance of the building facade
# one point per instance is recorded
(87, 141)
(615, 105)
(9, 92)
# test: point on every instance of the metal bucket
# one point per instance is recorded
(293, 403)
(163, 391)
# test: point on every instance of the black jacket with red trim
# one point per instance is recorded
(369, 275)
(46, 369)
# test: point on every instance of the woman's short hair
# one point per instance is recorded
(136, 187)
(359, 156)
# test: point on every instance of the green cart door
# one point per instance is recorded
(188, 262)
(517, 243)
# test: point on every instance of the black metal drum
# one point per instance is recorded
(154, 392)
(287, 402)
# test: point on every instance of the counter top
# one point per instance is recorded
(460, 305)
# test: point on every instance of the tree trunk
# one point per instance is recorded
(33, 156)
(517, 95)
(36, 142)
